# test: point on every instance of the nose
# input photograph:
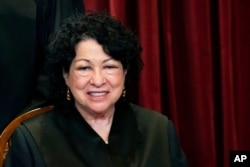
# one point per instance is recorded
(97, 79)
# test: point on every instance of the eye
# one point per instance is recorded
(84, 68)
(110, 67)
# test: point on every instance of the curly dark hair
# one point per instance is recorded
(117, 40)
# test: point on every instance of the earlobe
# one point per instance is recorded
(65, 76)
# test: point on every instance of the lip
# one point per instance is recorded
(97, 94)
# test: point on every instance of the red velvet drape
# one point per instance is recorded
(196, 70)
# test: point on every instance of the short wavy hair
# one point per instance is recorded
(117, 40)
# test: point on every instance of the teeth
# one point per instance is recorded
(97, 94)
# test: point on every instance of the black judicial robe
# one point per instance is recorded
(25, 27)
(138, 138)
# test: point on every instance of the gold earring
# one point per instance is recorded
(124, 92)
(68, 95)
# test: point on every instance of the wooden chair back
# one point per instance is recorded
(10, 128)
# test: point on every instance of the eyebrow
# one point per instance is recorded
(87, 60)
(81, 60)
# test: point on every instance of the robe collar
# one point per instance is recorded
(124, 136)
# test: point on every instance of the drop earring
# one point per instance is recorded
(68, 95)
(124, 92)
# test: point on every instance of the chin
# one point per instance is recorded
(101, 109)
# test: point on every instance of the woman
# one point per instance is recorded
(93, 60)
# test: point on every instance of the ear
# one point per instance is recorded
(65, 76)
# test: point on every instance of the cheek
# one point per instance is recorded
(77, 82)
(117, 80)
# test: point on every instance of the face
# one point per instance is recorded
(95, 79)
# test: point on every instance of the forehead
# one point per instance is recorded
(90, 49)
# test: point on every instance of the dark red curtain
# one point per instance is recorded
(196, 70)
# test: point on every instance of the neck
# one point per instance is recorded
(99, 122)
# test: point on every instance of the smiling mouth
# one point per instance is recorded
(97, 94)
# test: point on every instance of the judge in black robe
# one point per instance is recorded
(93, 60)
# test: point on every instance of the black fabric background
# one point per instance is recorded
(25, 27)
